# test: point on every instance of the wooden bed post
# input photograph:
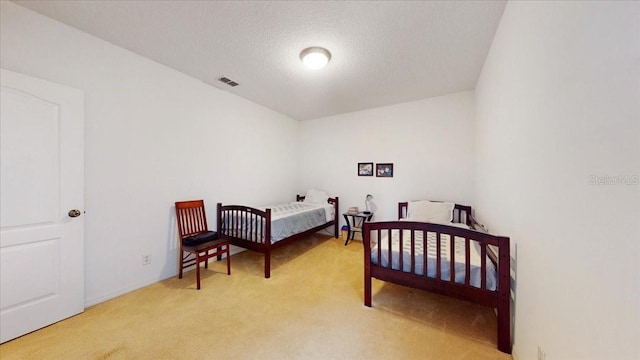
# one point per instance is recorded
(219, 219)
(402, 206)
(267, 263)
(504, 296)
(367, 288)
(267, 244)
(336, 208)
(366, 236)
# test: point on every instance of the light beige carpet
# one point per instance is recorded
(311, 308)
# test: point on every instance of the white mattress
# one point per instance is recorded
(459, 244)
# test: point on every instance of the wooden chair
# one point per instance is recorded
(195, 238)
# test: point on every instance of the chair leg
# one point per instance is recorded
(181, 264)
(206, 259)
(228, 261)
(198, 270)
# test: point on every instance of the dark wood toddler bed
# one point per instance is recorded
(251, 228)
(481, 276)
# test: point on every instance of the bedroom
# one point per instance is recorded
(527, 178)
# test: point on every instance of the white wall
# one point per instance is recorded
(153, 136)
(430, 142)
(557, 103)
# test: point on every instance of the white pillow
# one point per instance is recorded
(430, 211)
(316, 197)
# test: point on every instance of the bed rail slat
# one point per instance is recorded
(400, 252)
(241, 222)
(390, 254)
(254, 228)
(425, 263)
(238, 219)
(452, 257)
(438, 256)
(413, 251)
(259, 229)
(483, 266)
(467, 262)
(243, 219)
(248, 220)
(379, 240)
(233, 221)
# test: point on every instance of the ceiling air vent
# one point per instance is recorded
(228, 81)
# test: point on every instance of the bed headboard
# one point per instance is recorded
(461, 213)
(330, 200)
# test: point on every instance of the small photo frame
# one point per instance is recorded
(365, 169)
(384, 170)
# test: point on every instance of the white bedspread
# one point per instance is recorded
(289, 209)
(431, 244)
(295, 217)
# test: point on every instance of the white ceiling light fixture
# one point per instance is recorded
(315, 57)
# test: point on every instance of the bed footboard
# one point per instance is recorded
(247, 227)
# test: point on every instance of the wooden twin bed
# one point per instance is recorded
(255, 229)
(479, 261)
(461, 261)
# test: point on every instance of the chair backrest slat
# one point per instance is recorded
(192, 218)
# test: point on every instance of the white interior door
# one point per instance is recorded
(42, 176)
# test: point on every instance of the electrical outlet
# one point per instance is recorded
(541, 354)
(146, 259)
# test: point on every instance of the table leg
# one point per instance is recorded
(346, 219)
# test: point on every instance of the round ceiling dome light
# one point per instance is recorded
(315, 57)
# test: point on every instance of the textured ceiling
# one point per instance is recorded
(383, 53)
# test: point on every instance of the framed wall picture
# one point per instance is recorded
(384, 170)
(365, 169)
